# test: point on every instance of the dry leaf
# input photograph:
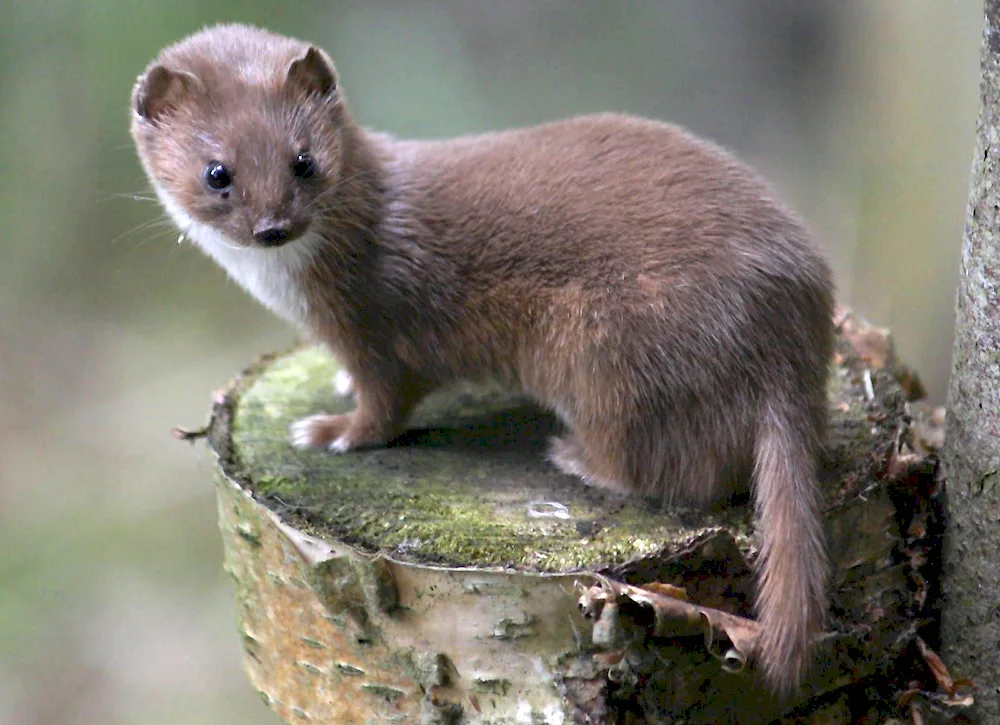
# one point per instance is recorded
(966, 700)
(920, 596)
(928, 427)
(607, 659)
(841, 314)
(872, 344)
(910, 382)
(904, 697)
(937, 666)
(673, 616)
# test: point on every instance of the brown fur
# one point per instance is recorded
(638, 281)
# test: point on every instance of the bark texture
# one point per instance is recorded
(454, 577)
(972, 452)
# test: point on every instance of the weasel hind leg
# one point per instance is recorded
(573, 458)
(672, 464)
(321, 431)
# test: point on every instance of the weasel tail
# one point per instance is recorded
(792, 564)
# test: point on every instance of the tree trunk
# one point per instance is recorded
(455, 578)
(971, 623)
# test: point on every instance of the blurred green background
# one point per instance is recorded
(113, 604)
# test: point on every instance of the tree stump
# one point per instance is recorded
(456, 577)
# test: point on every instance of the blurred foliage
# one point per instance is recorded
(113, 606)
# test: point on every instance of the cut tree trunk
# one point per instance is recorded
(455, 577)
(971, 622)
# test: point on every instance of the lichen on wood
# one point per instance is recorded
(437, 579)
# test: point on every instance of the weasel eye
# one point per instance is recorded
(217, 176)
(304, 166)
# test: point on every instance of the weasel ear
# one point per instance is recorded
(160, 91)
(312, 73)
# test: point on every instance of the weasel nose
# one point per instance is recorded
(272, 233)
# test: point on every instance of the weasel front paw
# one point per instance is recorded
(321, 431)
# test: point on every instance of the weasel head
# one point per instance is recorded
(241, 133)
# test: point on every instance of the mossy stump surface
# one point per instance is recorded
(437, 580)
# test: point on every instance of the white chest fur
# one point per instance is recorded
(271, 275)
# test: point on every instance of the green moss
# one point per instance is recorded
(468, 485)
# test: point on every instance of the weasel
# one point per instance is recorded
(638, 281)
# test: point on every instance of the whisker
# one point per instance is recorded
(151, 224)
(125, 195)
(155, 237)
(340, 183)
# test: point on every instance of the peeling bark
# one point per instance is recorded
(439, 580)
